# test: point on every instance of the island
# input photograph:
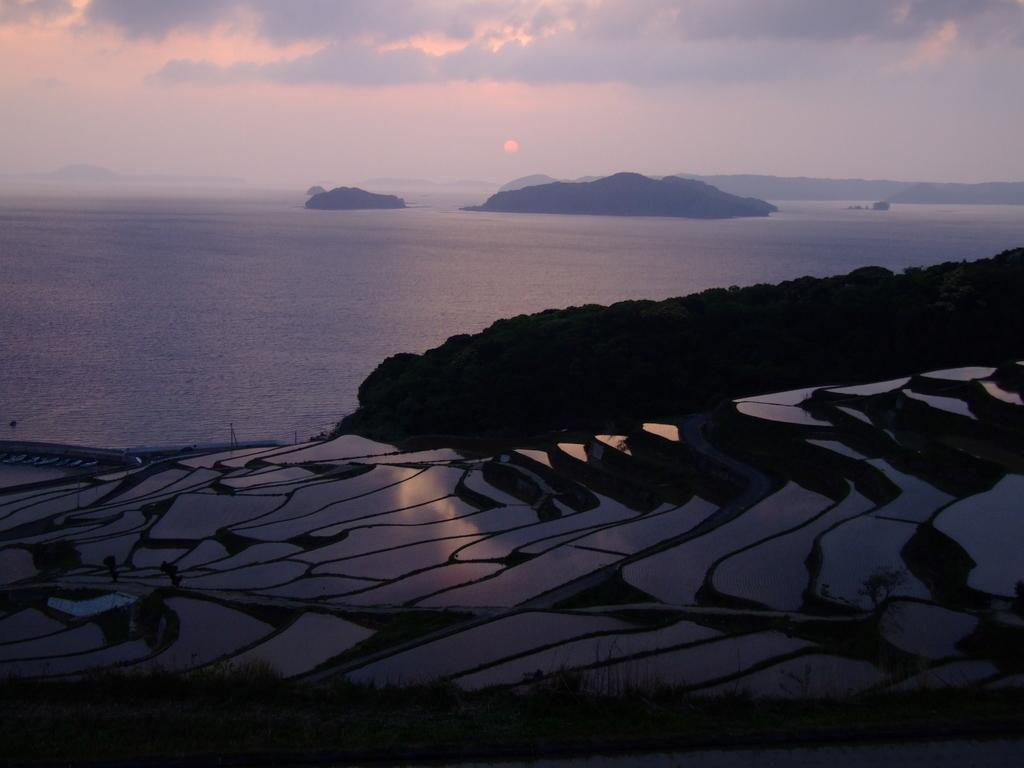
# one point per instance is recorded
(627, 194)
(881, 205)
(316, 189)
(352, 199)
(811, 188)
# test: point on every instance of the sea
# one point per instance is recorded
(139, 317)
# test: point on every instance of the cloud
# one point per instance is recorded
(934, 48)
(190, 71)
(45, 83)
(548, 61)
(827, 21)
(290, 21)
(340, 64)
(633, 41)
(27, 11)
(388, 20)
(157, 18)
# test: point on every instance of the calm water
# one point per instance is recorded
(127, 321)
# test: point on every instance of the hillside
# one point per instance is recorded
(627, 194)
(643, 358)
(352, 198)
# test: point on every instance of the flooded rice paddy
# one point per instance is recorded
(662, 560)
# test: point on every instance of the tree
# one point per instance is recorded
(111, 565)
(56, 555)
(171, 570)
(147, 614)
(881, 584)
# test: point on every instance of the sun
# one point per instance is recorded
(511, 146)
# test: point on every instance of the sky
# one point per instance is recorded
(285, 92)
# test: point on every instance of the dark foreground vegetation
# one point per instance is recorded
(645, 359)
(216, 715)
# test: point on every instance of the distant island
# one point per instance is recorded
(536, 179)
(803, 187)
(316, 189)
(764, 187)
(84, 174)
(627, 194)
(352, 199)
(991, 193)
(399, 182)
(642, 359)
(532, 180)
(879, 206)
(813, 188)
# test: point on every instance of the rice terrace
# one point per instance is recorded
(823, 542)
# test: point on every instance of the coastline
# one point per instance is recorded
(92, 461)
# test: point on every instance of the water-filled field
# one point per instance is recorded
(722, 554)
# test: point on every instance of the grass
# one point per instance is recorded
(248, 711)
